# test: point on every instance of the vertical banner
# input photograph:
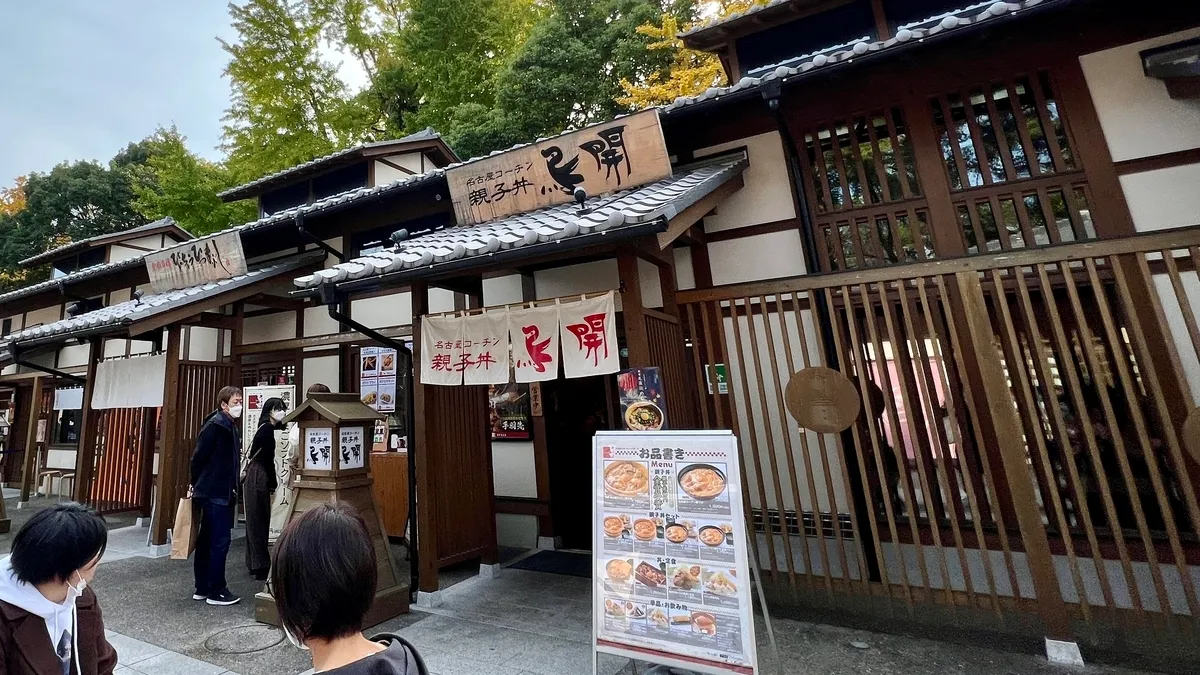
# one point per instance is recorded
(441, 350)
(534, 343)
(672, 576)
(643, 401)
(589, 337)
(485, 348)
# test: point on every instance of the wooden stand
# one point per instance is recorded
(335, 434)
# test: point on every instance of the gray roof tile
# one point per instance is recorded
(845, 53)
(130, 311)
(72, 278)
(662, 199)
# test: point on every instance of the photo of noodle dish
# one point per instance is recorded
(721, 582)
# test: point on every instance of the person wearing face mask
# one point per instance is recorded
(50, 621)
(323, 579)
(214, 473)
(259, 482)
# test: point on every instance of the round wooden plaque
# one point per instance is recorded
(1191, 434)
(823, 400)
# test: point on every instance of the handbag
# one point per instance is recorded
(183, 536)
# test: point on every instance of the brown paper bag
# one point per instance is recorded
(183, 537)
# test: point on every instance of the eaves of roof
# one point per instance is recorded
(167, 224)
(85, 274)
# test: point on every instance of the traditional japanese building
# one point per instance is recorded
(983, 218)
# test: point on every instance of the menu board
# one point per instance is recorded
(377, 378)
(672, 566)
(318, 448)
(643, 405)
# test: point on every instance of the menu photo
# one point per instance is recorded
(626, 483)
(368, 390)
(702, 487)
(369, 362)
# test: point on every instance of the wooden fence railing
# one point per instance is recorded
(1021, 443)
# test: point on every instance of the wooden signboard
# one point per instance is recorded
(823, 400)
(616, 155)
(197, 262)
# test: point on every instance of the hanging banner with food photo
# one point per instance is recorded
(534, 334)
(671, 577)
(589, 337)
(509, 412)
(485, 348)
(643, 401)
(442, 350)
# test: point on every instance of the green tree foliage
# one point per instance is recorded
(288, 104)
(175, 182)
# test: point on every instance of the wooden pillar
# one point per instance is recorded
(541, 451)
(935, 184)
(85, 456)
(35, 411)
(491, 554)
(636, 338)
(170, 458)
(149, 426)
(426, 516)
(1001, 421)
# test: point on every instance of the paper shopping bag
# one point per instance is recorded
(183, 537)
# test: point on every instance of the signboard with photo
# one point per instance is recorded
(509, 412)
(254, 398)
(671, 575)
(643, 402)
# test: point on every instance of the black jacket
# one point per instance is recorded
(397, 659)
(262, 453)
(215, 461)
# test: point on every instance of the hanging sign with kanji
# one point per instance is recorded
(442, 350)
(534, 343)
(589, 337)
(617, 155)
(196, 262)
(485, 348)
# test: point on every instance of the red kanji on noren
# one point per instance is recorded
(441, 362)
(590, 334)
(485, 361)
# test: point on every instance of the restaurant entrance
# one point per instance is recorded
(576, 410)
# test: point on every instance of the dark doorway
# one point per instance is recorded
(14, 456)
(576, 410)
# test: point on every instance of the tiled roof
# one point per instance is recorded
(163, 223)
(702, 26)
(426, 134)
(933, 27)
(558, 225)
(72, 278)
(125, 313)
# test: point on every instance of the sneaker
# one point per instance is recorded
(223, 599)
(199, 596)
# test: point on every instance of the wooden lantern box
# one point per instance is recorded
(336, 431)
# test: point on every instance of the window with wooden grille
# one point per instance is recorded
(864, 190)
(1012, 170)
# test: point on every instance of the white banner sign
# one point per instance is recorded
(351, 447)
(589, 337)
(196, 262)
(534, 343)
(441, 350)
(68, 398)
(485, 348)
(254, 398)
(318, 448)
(135, 382)
(671, 574)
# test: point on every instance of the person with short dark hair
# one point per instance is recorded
(323, 579)
(317, 388)
(214, 474)
(50, 621)
(260, 481)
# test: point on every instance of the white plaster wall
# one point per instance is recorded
(118, 296)
(117, 253)
(323, 369)
(764, 256)
(114, 348)
(43, 316)
(140, 347)
(595, 277)
(385, 174)
(202, 343)
(152, 242)
(516, 531)
(502, 290)
(513, 469)
(1163, 199)
(318, 322)
(384, 311)
(767, 196)
(18, 322)
(1138, 117)
(440, 300)
(269, 327)
(1172, 306)
(685, 276)
(74, 355)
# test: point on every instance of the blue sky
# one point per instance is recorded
(79, 79)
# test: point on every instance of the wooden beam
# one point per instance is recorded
(330, 340)
(395, 166)
(276, 302)
(785, 225)
(164, 506)
(210, 320)
(1167, 160)
(637, 340)
(684, 220)
(426, 516)
(85, 456)
(31, 451)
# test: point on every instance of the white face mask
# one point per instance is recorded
(278, 415)
(235, 411)
(294, 640)
(76, 590)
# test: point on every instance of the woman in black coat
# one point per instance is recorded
(261, 481)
